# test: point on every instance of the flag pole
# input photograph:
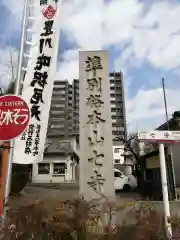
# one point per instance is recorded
(17, 85)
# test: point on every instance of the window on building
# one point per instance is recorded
(58, 106)
(118, 133)
(117, 102)
(56, 82)
(114, 117)
(56, 119)
(61, 82)
(119, 94)
(117, 74)
(113, 109)
(116, 150)
(120, 109)
(57, 126)
(111, 81)
(59, 94)
(114, 132)
(57, 112)
(43, 168)
(117, 117)
(119, 99)
(59, 168)
(120, 121)
(57, 89)
(117, 161)
(57, 97)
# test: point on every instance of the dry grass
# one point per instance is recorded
(81, 220)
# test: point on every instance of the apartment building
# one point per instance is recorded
(118, 111)
(61, 111)
(64, 112)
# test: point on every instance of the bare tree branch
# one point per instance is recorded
(12, 66)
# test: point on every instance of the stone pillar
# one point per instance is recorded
(96, 165)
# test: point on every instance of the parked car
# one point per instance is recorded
(123, 182)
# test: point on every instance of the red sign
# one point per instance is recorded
(14, 116)
(49, 12)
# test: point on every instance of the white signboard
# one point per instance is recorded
(38, 82)
(96, 165)
(160, 136)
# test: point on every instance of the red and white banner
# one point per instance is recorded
(39, 79)
(160, 136)
(14, 117)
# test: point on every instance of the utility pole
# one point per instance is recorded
(170, 149)
(165, 103)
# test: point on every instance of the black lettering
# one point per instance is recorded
(36, 151)
(37, 141)
(35, 112)
(48, 28)
(29, 142)
(38, 127)
(45, 42)
(30, 130)
(37, 96)
(40, 79)
(42, 61)
(27, 150)
(93, 64)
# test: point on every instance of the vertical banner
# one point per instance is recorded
(38, 82)
(96, 156)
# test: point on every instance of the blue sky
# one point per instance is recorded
(143, 39)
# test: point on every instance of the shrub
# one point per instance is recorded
(81, 220)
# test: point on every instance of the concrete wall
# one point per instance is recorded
(50, 178)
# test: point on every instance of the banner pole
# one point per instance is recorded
(17, 85)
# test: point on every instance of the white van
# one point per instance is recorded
(123, 182)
